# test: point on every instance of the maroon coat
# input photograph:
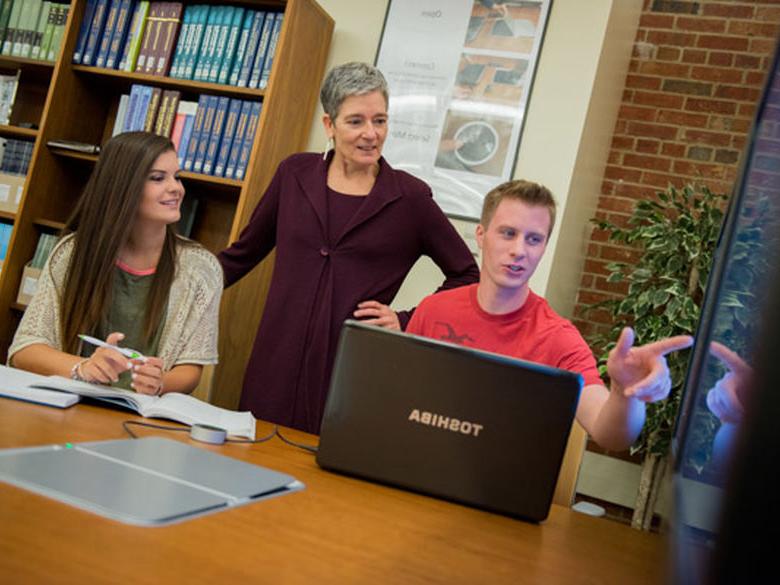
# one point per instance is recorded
(316, 285)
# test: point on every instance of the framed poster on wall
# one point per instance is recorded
(460, 75)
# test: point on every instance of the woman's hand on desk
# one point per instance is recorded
(105, 365)
(375, 313)
(148, 376)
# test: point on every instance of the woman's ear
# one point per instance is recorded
(327, 122)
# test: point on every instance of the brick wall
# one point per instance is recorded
(690, 95)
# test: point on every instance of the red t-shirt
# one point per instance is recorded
(534, 332)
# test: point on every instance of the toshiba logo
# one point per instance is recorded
(445, 422)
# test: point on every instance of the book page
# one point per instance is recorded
(20, 384)
(120, 396)
(189, 410)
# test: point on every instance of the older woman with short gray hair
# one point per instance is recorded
(347, 229)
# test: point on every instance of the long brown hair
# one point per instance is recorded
(102, 221)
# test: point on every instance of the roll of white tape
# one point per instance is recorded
(208, 434)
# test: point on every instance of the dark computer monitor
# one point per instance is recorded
(716, 492)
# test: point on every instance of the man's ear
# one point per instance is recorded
(480, 233)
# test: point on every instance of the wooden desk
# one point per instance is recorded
(337, 530)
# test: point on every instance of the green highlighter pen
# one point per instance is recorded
(125, 351)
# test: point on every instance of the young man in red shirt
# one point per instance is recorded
(501, 314)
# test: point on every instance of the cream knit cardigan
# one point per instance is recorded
(189, 334)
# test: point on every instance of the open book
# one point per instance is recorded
(182, 408)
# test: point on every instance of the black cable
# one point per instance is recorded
(309, 448)
(126, 425)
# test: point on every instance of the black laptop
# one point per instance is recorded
(469, 426)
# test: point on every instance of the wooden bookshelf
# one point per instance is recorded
(18, 132)
(120, 79)
(80, 102)
(9, 215)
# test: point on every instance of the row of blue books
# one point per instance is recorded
(227, 44)
(219, 44)
(128, 35)
(216, 139)
(213, 136)
(147, 108)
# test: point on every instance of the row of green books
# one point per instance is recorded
(228, 45)
(32, 28)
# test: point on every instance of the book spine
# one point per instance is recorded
(162, 111)
(193, 48)
(221, 43)
(155, 30)
(48, 33)
(262, 51)
(132, 42)
(58, 33)
(120, 34)
(170, 31)
(22, 28)
(5, 15)
(95, 31)
(173, 103)
(104, 44)
(35, 22)
(241, 48)
(205, 134)
(192, 146)
(185, 34)
(151, 110)
(249, 140)
(178, 128)
(40, 29)
(191, 43)
(205, 43)
(13, 25)
(251, 49)
(216, 135)
(231, 46)
(81, 41)
(234, 109)
(269, 59)
(238, 140)
(121, 114)
(181, 112)
(141, 106)
(145, 49)
(186, 133)
(209, 47)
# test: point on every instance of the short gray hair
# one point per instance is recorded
(350, 79)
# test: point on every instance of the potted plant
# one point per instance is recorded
(675, 234)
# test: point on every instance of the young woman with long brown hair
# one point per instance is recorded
(122, 274)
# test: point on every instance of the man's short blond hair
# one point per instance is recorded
(528, 192)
